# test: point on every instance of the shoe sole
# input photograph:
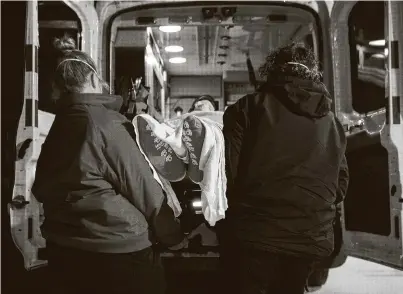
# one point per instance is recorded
(160, 154)
(193, 136)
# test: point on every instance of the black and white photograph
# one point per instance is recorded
(202, 147)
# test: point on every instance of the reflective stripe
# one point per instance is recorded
(387, 110)
(394, 54)
(36, 114)
(28, 113)
(392, 18)
(31, 113)
(31, 58)
(396, 109)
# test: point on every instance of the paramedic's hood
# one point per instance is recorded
(304, 97)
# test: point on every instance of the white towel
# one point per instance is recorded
(212, 163)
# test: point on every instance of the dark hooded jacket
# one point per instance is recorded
(98, 191)
(286, 168)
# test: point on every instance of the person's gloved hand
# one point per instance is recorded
(181, 245)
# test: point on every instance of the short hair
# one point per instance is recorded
(201, 98)
(294, 60)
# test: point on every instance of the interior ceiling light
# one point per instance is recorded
(170, 29)
(173, 48)
(378, 55)
(177, 60)
(377, 43)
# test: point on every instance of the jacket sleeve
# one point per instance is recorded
(234, 127)
(343, 181)
(134, 180)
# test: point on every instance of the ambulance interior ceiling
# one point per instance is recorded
(214, 39)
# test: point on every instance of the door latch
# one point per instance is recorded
(18, 202)
(358, 124)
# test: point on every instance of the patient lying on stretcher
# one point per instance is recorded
(192, 146)
(174, 146)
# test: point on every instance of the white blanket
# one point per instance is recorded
(212, 162)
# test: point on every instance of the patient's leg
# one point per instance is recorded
(193, 136)
(161, 155)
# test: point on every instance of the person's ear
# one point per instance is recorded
(94, 81)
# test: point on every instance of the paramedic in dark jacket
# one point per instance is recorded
(103, 208)
(287, 172)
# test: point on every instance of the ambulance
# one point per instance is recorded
(185, 49)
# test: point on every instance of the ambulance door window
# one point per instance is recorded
(367, 205)
(55, 20)
(368, 55)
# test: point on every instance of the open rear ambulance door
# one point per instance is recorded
(369, 104)
(13, 20)
(44, 21)
(24, 210)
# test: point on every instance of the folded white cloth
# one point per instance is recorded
(212, 163)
